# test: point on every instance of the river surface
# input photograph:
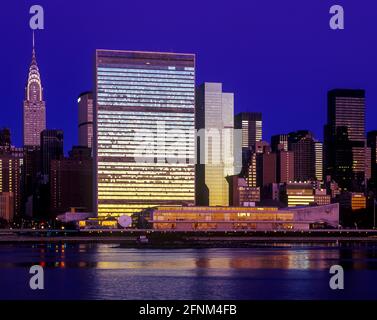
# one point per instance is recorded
(108, 271)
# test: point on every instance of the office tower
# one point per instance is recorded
(279, 142)
(285, 166)
(34, 112)
(372, 144)
(144, 128)
(214, 115)
(344, 145)
(266, 168)
(251, 125)
(71, 182)
(51, 148)
(318, 149)
(10, 181)
(303, 145)
(85, 116)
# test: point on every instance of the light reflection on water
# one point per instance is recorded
(105, 271)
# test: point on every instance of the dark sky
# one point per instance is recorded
(278, 57)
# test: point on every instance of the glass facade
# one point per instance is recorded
(144, 131)
(215, 110)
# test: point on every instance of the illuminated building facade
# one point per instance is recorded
(214, 116)
(251, 125)
(240, 218)
(297, 194)
(344, 145)
(10, 179)
(353, 200)
(144, 131)
(34, 111)
(85, 116)
(318, 149)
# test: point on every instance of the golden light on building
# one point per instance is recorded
(143, 101)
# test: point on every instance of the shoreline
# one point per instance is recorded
(180, 239)
(198, 242)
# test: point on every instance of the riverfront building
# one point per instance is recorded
(144, 131)
(241, 218)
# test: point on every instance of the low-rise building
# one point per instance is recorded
(240, 218)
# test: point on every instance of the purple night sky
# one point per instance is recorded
(278, 57)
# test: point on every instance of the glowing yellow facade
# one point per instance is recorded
(144, 131)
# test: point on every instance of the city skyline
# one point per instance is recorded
(252, 89)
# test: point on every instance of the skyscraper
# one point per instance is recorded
(215, 120)
(144, 128)
(85, 117)
(344, 143)
(251, 125)
(51, 148)
(34, 112)
(302, 144)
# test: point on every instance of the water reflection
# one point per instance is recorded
(101, 271)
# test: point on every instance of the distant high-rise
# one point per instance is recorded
(51, 148)
(10, 181)
(318, 146)
(251, 125)
(85, 116)
(34, 111)
(285, 166)
(344, 138)
(5, 140)
(266, 169)
(372, 144)
(214, 115)
(302, 144)
(279, 142)
(71, 181)
(144, 131)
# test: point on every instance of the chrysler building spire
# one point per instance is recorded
(34, 106)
